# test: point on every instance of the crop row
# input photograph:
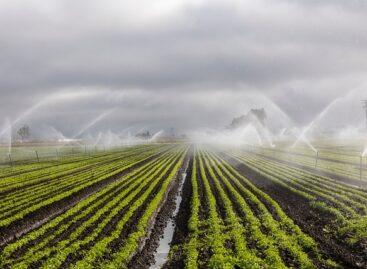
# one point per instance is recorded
(350, 201)
(50, 186)
(18, 205)
(347, 204)
(235, 224)
(18, 169)
(35, 176)
(348, 166)
(109, 223)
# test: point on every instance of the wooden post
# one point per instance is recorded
(38, 159)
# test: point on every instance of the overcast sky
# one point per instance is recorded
(179, 63)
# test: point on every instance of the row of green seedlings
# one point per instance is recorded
(79, 182)
(39, 179)
(15, 200)
(350, 195)
(131, 196)
(351, 206)
(35, 176)
(284, 240)
(268, 246)
(350, 157)
(26, 168)
(343, 169)
(354, 226)
(88, 205)
(54, 186)
(32, 155)
(17, 170)
(346, 204)
(18, 202)
(348, 170)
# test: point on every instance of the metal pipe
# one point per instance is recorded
(38, 159)
(317, 158)
(360, 167)
(10, 160)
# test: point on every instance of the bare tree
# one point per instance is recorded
(24, 132)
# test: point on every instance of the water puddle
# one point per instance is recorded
(161, 255)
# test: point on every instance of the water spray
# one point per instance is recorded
(45, 101)
(364, 103)
(303, 137)
(364, 152)
(156, 135)
(93, 122)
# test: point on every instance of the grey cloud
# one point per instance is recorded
(277, 48)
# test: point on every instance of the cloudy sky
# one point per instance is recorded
(177, 63)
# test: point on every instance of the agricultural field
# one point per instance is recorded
(347, 162)
(239, 208)
(183, 134)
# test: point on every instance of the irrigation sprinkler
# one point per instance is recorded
(57, 154)
(360, 167)
(85, 149)
(10, 160)
(317, 158)
(38, 159)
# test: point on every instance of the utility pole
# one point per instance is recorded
(364, 103)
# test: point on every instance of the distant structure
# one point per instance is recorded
(364, 103)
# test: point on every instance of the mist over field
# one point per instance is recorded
(186, 65)
(182, 134)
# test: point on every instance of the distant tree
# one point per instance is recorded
(243, 120)
(24, 132)
(260, 114)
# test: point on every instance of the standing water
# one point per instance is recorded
(161, 254)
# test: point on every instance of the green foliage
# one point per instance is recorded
(244, 227)
(355, 231)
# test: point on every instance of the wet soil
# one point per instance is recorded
(145, 258)
(315, 223)
(44, 214)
